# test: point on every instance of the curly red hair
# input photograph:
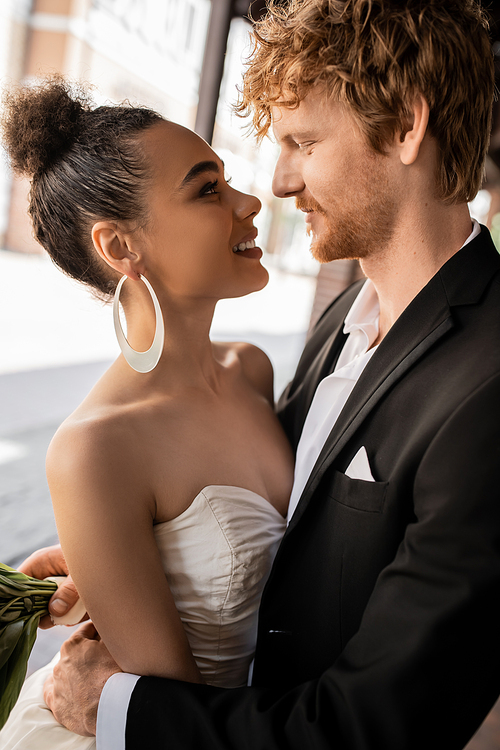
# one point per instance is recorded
(376, 56)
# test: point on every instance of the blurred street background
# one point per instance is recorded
(183, 58)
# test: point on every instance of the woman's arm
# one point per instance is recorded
(104, 508)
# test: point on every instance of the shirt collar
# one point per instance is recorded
(364, 313)
(476, 229)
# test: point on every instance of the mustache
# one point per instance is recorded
(309, 204)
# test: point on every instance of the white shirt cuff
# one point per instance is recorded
(112, 711)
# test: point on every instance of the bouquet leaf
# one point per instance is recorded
(23, 601)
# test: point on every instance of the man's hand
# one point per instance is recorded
(46, 562)
(72, 693)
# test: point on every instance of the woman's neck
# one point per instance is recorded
(187, 358)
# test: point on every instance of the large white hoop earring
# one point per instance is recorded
(140, 361)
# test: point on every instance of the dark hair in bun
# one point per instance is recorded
(84, 164)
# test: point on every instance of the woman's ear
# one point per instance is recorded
(114, 247)
(411, 139)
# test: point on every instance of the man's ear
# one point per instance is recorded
(411, 139)
(114, 247)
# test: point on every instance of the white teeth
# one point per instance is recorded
(243, 246)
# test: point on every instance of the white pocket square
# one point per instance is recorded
(359, 468)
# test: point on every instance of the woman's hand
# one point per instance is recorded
(73, 691)
(49, 561)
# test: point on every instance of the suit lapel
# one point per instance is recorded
(295, 402)
(322, 366)
(423, 323)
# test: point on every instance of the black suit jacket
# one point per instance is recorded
(380, 622)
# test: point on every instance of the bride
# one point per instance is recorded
(170, 482)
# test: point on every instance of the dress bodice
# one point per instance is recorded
(217, 556)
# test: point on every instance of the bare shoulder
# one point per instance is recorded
(256, 365)
(97, 451)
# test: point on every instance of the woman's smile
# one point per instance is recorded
(246, 248)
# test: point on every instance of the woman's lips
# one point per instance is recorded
(252, 252)
(246, 247)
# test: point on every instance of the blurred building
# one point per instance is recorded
(145, 51)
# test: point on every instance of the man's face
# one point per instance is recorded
(347, 190)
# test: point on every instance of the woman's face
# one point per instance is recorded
(196, 220)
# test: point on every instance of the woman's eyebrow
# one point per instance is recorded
(197, 169)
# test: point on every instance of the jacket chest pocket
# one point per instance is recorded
(358, 493)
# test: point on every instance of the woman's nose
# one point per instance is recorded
(247, 205)
(287, 179)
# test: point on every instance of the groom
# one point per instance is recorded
(380, 623)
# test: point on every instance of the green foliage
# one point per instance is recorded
(23, 601)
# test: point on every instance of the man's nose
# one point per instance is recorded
(287, 180)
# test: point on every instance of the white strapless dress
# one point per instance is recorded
(217, 556)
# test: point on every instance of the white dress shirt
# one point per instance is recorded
(362, 325)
